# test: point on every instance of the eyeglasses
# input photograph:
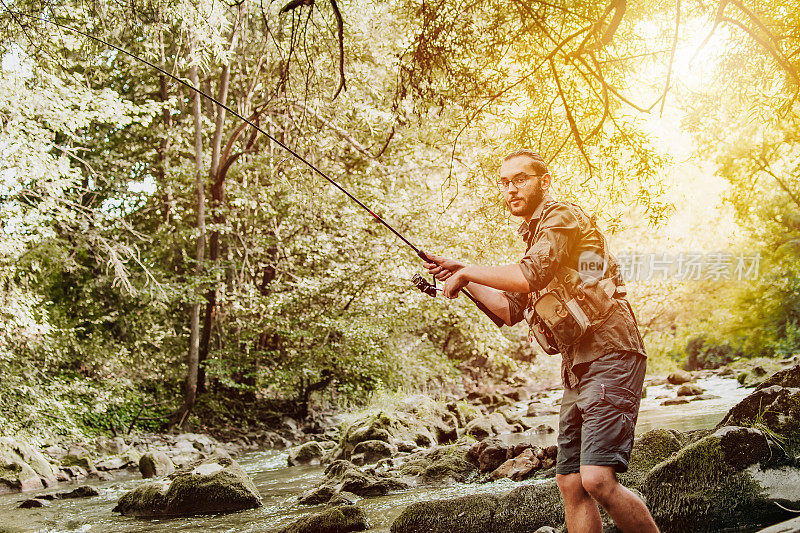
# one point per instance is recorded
(520, 181)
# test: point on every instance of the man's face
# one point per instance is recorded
(522, 201)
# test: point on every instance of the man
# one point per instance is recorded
(603, 370)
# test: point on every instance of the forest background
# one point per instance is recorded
(162, 264)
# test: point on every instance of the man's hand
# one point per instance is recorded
(441, 267)
(455, 282)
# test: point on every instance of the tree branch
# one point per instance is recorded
(340, 29)
(671, 57)
(570, 118)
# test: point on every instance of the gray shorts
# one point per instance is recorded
(598, 415)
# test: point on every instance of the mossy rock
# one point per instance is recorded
(775, 408)
(309, 453)
(788, 377)
(653, 447)
(440, 464)
(709, 484)
(468, 514)
(218, 485)
(529, 508)
(342, 519)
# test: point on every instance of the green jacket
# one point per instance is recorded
(566, 234)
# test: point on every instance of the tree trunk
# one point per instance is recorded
(190, 385)
(217, 176)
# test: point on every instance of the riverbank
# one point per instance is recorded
(281, 485)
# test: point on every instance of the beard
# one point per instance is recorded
(532, 197)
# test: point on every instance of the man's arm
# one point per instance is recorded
(485, 284)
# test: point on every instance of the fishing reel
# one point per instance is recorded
(423, 285)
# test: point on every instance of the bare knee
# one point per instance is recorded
(599, 481)
(570, 486)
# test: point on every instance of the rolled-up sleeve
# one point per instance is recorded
(558, 232)
(517, 302)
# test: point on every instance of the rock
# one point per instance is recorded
(155, 464)
(116, 462)
(529, 508)
(775, 407)
(23, 468)
(540, 409)
(543, 428)
(690, 389)
(372, 451)
(341, 519)
(422, 421)
(464, 412)
(788, 377)
(653, 447)
(218, 485)
(344, 476)
(679, 377)
(675, 401)
(524, 509)
(490, 425)
(520, 467)
(309, 453)
(520, 394)
(468, 514)
(344, 498)
(440, 464)
(33, 503)
(705, 397)
(86, 491)
(717, 481)
(480, 428)
(759, 371)
(115, 446)
(55, 452)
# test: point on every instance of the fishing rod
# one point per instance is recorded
(418, 280)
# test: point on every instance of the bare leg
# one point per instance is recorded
(581, 511)
(628, 511)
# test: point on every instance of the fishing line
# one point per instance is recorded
(330, 180)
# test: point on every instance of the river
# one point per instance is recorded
(280, 485)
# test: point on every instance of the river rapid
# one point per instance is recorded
(280, 485)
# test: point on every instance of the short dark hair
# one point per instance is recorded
(539, 164)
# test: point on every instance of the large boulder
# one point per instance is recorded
(788, 377)
(522, 510)
(155, 464)
(720, 481)
(23, 467)
(340, 519)
(529, 508)
(217, 485)
(775, 409)
(653, 447)
(468, 514)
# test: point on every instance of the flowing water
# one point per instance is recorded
(279, 485)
